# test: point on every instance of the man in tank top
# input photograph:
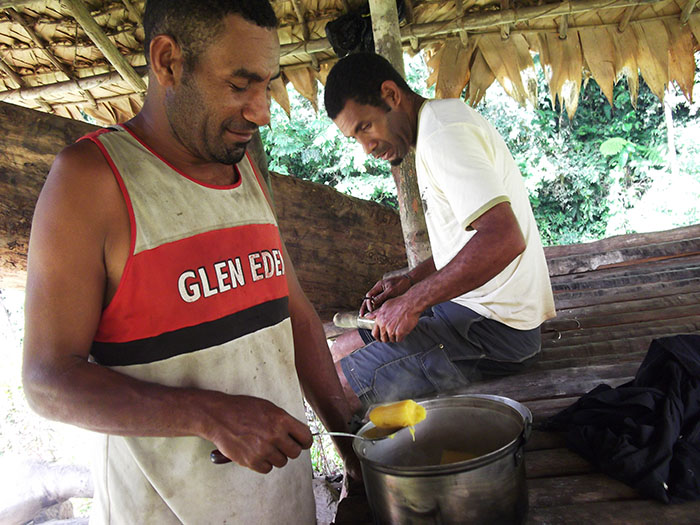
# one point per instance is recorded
(162, 310)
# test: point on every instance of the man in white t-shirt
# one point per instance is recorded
(474, 309)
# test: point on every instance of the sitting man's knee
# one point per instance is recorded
(345, 344)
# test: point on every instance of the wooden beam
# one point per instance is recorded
(131, 8)
(687, 10)
(82, 15)
(60, 88)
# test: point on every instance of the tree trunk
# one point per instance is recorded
(387, 42)
(671, 141)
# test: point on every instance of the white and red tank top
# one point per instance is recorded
(202, 303)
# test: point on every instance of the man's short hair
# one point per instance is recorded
(194, 24)
(359, 77)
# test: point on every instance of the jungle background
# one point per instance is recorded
(630, 168)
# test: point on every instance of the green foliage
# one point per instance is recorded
(583, 173)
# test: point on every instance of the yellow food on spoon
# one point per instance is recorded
(405, 413)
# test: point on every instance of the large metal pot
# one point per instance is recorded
(406, 484)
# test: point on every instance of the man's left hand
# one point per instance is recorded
(395, 319)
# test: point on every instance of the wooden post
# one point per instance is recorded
(387, 42)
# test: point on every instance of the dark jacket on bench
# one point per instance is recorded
(645, 433)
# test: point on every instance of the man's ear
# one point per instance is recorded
(167, 61)
(391, 93)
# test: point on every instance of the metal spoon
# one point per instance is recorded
(347, 434)
(218, 458)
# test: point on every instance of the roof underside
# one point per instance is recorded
(71, 57)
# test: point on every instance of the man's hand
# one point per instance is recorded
(256, 433)
(395, 319)
(383, 291)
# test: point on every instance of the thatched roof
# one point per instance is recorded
(84, 56)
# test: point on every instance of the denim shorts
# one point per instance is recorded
(450, 347)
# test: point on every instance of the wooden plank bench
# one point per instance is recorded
(613, 297)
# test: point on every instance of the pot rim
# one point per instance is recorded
(458, 466)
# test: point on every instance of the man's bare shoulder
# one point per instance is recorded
(83, 170)
(80, 186)
(82, 158)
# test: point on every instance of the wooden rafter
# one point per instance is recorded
(61, 88)
(82, 15)
(687, 10)
(131, 8)
(19, 19)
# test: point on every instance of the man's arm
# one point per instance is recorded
(76, 243)
(314, 365)
(497, 242)
(316, 371)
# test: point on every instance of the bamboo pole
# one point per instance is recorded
(81, 14)
(387, 42)
(131, 8)
(687, 10)
(61, 88)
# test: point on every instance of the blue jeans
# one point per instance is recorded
(450, 347)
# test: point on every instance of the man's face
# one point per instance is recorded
(385, 134)
(217, 107)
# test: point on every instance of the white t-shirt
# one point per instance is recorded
(464, 168)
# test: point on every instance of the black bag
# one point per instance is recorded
(352, 32)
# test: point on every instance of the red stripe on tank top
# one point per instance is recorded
(195, 280)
